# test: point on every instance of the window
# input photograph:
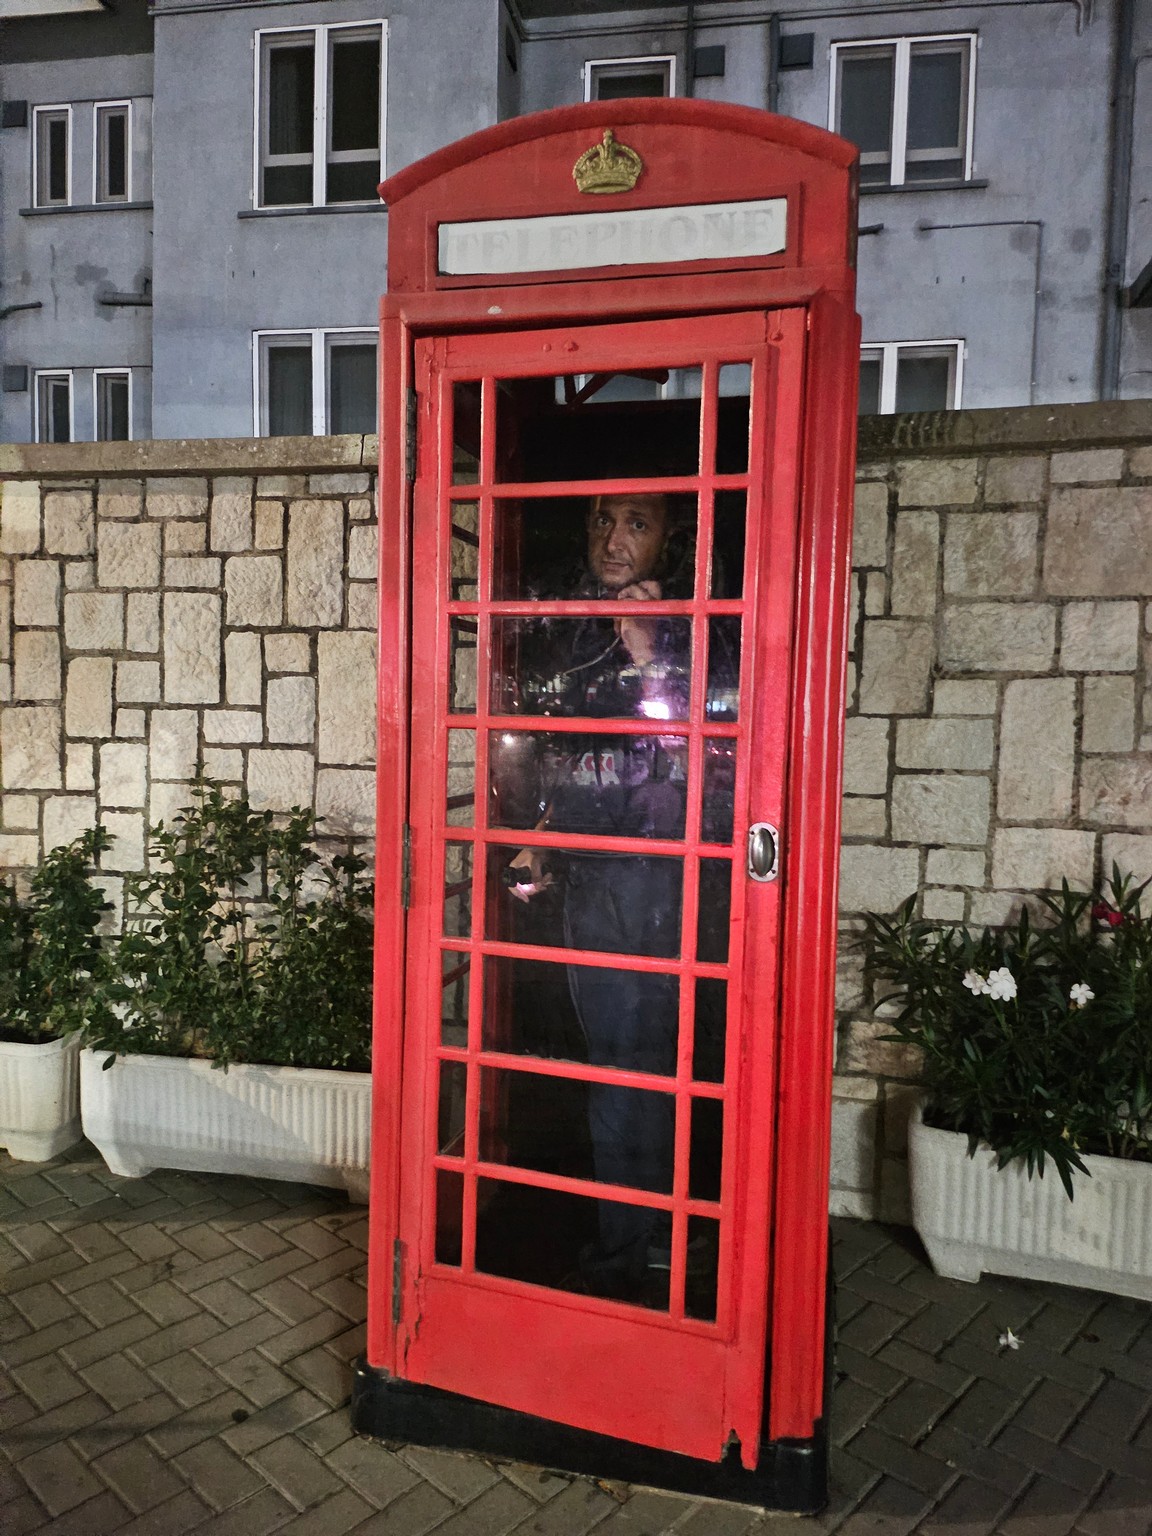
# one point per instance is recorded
(911, 376)
(311, 383)
(320, 118)
(52, 156)
(907, 104)
(112, 404)
(53, 407)
(613, 79)
(112, 141)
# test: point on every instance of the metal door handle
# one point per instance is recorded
(763, 851)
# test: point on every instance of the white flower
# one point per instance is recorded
(1001, 985)
(1009, 1340)
(1081, 994)
(975, 983)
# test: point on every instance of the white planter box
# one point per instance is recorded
(974, 1218)
(147, 1112)
(39, 1098)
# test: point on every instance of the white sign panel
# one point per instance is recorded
(630, 237)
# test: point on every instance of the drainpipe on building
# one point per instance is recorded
(1119, 195)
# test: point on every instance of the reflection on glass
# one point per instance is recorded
(454, 968)
(729, 518)
(711, 1027)
(702, 1265)
(461, 798)
(466, 433)
(707, 1146)
(462, 655)
(449, 1215)
(735, 386)
(558, 666)
(610, 786)
(458, 891)
(716, 814)
(464, 553)
(450, 1119)
(723, 702)
(715, 910)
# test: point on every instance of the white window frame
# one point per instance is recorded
(889, 361)
(120, 373)
(53, 373)
(321, 46)
(129, 135)
(591, 66)
(39, 115)
(319, 338)
(898, 161)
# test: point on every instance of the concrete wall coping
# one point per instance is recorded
(1056, 427)
(187, 456)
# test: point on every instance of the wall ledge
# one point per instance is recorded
(1056, 427)
(187, 456)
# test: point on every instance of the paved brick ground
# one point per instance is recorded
(174, 1358)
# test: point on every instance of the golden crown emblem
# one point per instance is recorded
(607, 167)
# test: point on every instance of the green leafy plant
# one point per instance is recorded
(49, 947)
(1036, 1040)
(241, 944)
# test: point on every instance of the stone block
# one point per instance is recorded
(184, 571)
(863, 816)
(172, 743)
(255, 588)
(897, 667)
(1130, 851)
(363, 553)
(5, 621)
(123, 774)
(1037, 749)
(137, 682)
(1098, 543)
(937, 482)
(363, 605)
(1116, 791)
(5, 682)
(1090, 464)
(853, 1143)
(875, 594)
(143, 624)
(176, 496)
(127, 832)
(877, 879)
(1038, 858)
(1100, 637)
(94, 621)
(280, 485)
(224, 763)
(279, 778)
(948, 808)
(291, 710)
(346, 800)
(288, 653)
(30, 747)
(864, 1048)
(870, 526)
(79, 575)
(849, 976)
(88, 697)
(991, 554)
(951, 697)
(19, 850)
(315, 564)
(21, 813)
(866, 755)
(131, 723)
(191, 647)
(111, 888)
(233, 725)
(341, 484)
(167, 801)
(1109, 715)
(128, 555)
(954, 866)
(69, 523)
(998, 637)
(120, 498)
(19, 517)
(937, 743)
(185, 539)
(36, 593)
(231, 513)
(943, 906)
(347, 705)
(242, 671)
(36, 665)
(915, 556)
(269, 531)
(79, 765)
(1013, 481)
(361, 508)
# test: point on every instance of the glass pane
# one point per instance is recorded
(55, 409)
(454, 968)
(576, 547)
(866, 99)
(701, 1270)
(290, 85)
(716, 814)
(607, 786)
(449, 1216)
(627, 668)
(869, 386)
(112, 407)
(735, 388)
(284, 185)
(715, 911)
(711, 1028)
(450, 1116)
(707, 1140)
(466, 433)
(723, 701)
(112, 149)
(458, 891)
(289, 402)
(355, 87)
(729, 519)
(933, 168)
(462, 658)
(464, 562)
(924, 383)
(57, 161)
(548, 1237)
(618, 87)
(935, 98)
(352, 387)
(461, 789)
(570, 427)
(353, 181)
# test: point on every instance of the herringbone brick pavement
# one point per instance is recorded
(174, 1357)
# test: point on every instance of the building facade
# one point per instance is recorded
(191, 244)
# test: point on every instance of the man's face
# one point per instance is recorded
(626, 537)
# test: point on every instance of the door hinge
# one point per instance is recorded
(397, 1279)
(406, 868)
(411, 404)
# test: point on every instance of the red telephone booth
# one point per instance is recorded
(620, 347)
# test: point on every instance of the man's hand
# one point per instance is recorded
(639, 635)
(532, 877)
